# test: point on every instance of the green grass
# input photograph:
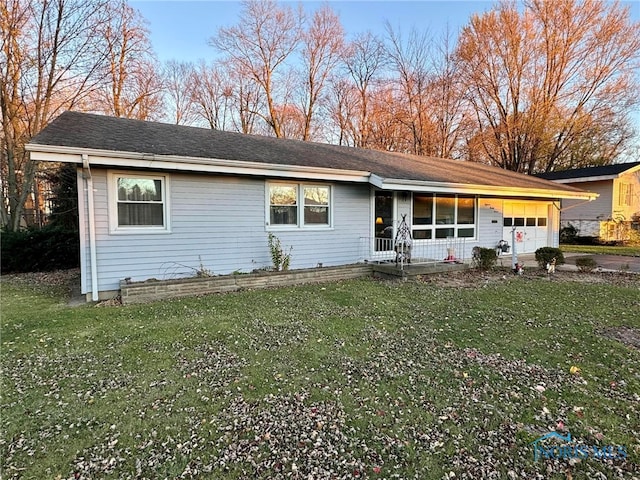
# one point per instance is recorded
(364, 379)
(601, 250)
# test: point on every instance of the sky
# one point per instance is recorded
(180, 29)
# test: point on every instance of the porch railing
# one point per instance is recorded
(420, 252)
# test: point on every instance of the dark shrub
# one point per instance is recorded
(586, 264)
(544, 255)
(40, 250)
(484, 258)
(568, 234)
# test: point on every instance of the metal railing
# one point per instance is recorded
(417, 252)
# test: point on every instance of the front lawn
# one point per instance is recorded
(601, 250)
(451, 377)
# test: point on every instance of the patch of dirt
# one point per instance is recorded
(476, 278)
(112, 302)
(627, 335)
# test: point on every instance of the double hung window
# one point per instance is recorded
(299, 205)
(138, 203)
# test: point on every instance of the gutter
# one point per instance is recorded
(86, 173)
(54, 153)
(483, 190)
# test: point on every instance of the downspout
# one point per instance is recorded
(86, 172)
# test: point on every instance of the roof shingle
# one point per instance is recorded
(601, 171)
(90, 131)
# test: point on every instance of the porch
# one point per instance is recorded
(410, 271)
(391, 258)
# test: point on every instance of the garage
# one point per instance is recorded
(531, 222)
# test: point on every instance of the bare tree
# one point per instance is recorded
(410, 61)
(343, 107)
(322, 45)
(543, 80)
(363, 59)
(211, 94)
(133, 82)
(50, 62)
(266, 35)
(179, 83)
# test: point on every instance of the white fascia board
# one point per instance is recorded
(483, 190)
(191, 164)
(599, 178)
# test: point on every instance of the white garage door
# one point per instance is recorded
(530, 220)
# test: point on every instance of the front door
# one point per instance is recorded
(383, 221)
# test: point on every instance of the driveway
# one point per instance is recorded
(609, 262)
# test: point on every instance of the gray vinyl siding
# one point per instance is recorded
(598, 209)
(219, 222)
(490, 211)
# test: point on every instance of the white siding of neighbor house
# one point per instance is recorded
(219, 222)
(580, 211)
(590, 218)
(621, 209)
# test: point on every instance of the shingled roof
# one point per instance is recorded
(590, 172)
(78, 131)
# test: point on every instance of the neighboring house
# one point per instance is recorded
(159, 200)
(611, 216)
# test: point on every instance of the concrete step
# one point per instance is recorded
(409, 271)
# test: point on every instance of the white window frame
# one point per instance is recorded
(455, 226)
(299, 225)
(625, 195)
(112, 192)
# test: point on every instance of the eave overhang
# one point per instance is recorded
(149, 161)
(481, 190)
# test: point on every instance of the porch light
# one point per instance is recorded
(379, 221)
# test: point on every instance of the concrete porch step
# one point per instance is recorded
(391, 270)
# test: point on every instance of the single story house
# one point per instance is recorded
(614, 212)
(160, 201)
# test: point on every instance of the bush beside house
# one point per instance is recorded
(35, 249)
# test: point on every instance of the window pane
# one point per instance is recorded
(148, 214)
(466, 232)
(422, 234)
(508, 222)
(383, 217)
(542, 222)
(316, 215)
(445, 211)
(444, 232)
(518, 221)
(466, 210)
(284, 215)
(316, 196)
(422, 209)
(139, 190)
(531, 222)
(283, 195)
